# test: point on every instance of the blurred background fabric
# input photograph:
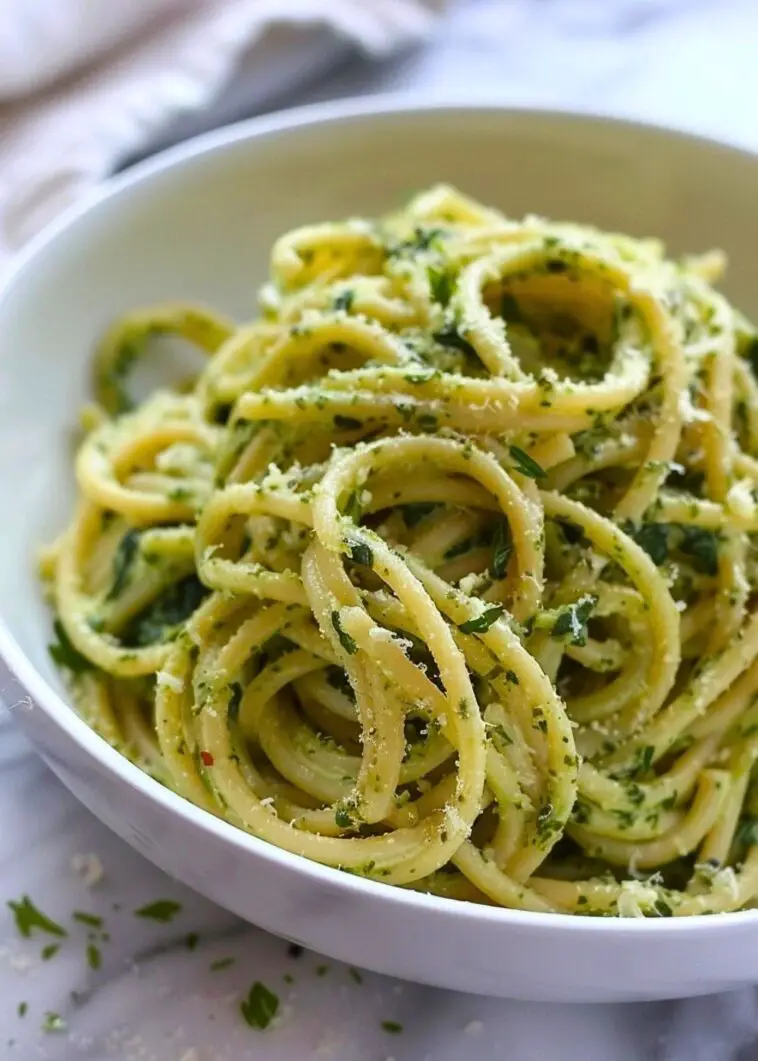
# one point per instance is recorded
(84, 83)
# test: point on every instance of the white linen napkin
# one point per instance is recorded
(85, 82)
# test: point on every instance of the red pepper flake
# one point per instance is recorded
(207, 758)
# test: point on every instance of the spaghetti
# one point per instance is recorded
(442, 571)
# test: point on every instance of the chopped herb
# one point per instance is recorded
(163, 910)
(503, 547)
(53, 1022)
(512, 677)
(643, 760)
(450, 337)
(50, 951)
(342, 818)
(481, 623)
(260, 1007)
(355, 975)
(392, 1027)
(544, 820)
(361, 553)
(221, 963)
(64, 653)
(345, 639)
(93, 920)
(288, 978)
(501, 734)
(525, 464)
(662, 908)
(347, 423)
(22, 1009)
(191, 941)
(276, 646)
(344, 300)
(421, 240)
(441, 284)
(94, 957)
(653, 538)
(322, 970)
(28, 917)
(581, 813)
(572, 620)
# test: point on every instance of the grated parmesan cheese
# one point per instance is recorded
(174, 683)
(635, 898)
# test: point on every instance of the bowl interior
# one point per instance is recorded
(200, 226)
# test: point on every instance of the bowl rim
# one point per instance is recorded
(57, 711)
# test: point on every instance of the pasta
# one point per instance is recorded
(443, 570)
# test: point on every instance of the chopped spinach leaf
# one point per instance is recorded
(344, 300)
(450, 337)
(123, 560)
(345, 639)
(572, 620)
(361, 553)
(162, 619)
(441, 284)
(64, 653)
(481, 623)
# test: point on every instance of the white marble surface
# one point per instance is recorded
(684, 62)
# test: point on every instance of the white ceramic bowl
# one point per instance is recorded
(198, 222)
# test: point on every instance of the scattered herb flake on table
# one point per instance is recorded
(93, 920)
(260, 1007)
(392, 1027)
(163, 910)
(53, 1022)
(221, 963)
(94, 957)
(50, 951)
(28, 917)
